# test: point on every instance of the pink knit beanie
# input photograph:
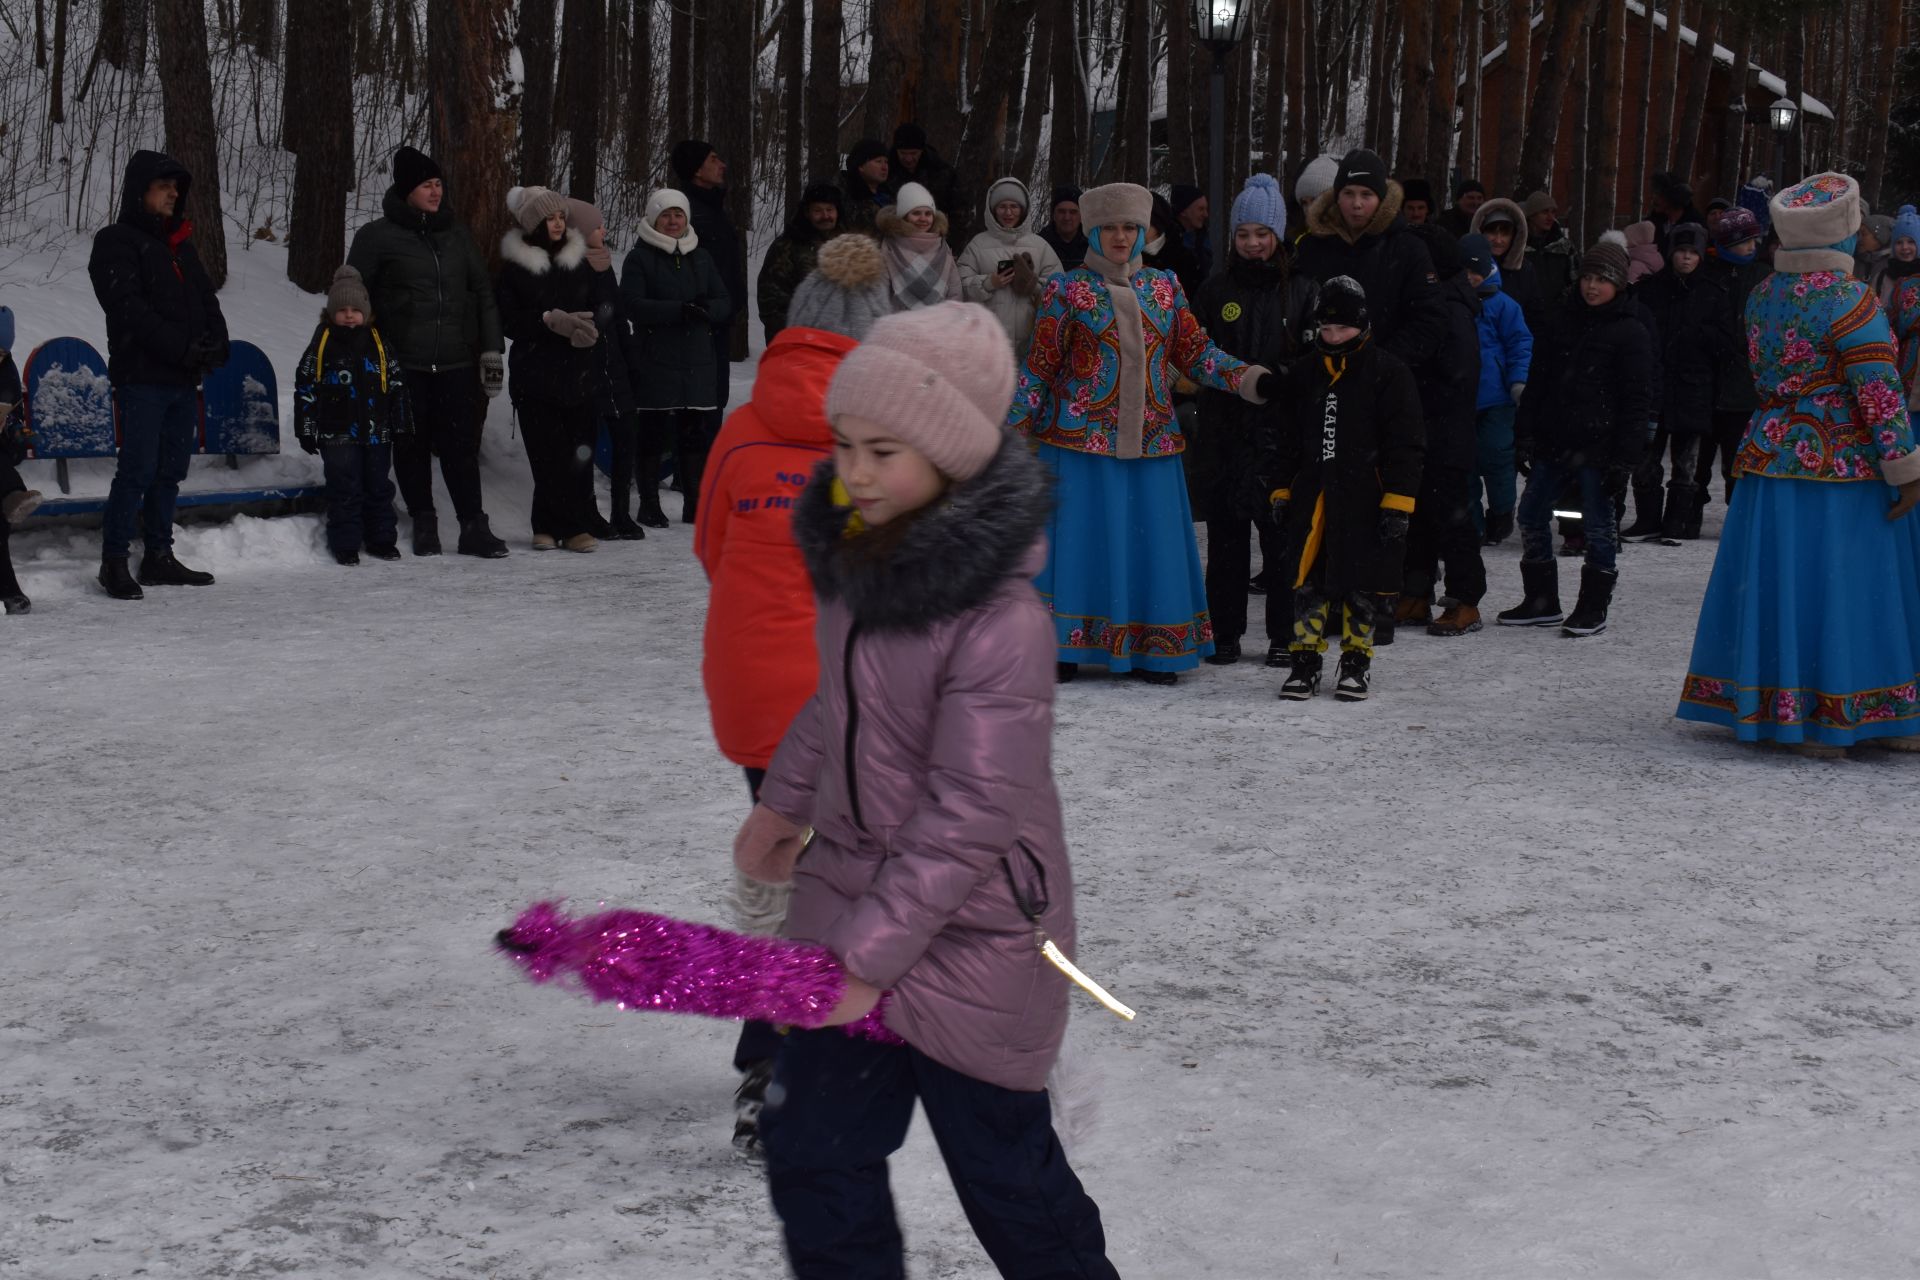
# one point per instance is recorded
(940, 377)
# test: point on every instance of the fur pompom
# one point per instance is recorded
(851, 261)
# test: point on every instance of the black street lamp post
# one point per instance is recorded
(1781, 116)
(1219, 24)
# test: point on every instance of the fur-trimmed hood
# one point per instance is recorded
(1323, 215)
(1517, 251)
(953, 556)
(535, 260)
(890, 222)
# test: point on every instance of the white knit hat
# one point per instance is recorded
(662, 200)
(913, 196)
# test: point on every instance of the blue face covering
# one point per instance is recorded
(1739, 259)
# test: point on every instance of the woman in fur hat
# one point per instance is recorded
(548, 309)
(1809, 634)
(913, 234)
(675, 297)
(1004, 267)
(1123, 572)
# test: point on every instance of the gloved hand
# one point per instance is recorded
(1393, 524)
(561, 322)
(1523, 456)
(1277, 508)
(1517, 390)
(493, 373)
(767, 846)
(206, 352)
(585, 332)
(694, 313)
(1259, 385)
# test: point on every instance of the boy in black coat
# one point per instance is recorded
(1342, 470)
(349, 406)
(1582, 421)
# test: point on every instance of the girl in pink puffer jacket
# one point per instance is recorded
(938, 865)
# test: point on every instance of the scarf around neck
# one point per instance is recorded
(917, 268)
(1130, 329)
(659, 239)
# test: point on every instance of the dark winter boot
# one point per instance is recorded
(476, 539)
(346, 557)
(1646, 515)
(117, 582)
(1278, 655)
(426, 534)
(16, 603)
(1066, 672)
(646, 476)
(1157, 678)
(1499, 527)
(1353, 685)
(1589, 616)
(748, 1101)
(1697, 514)
(688, 464)
(1541, 608)
(386, 551)
(160, 569)
(1679, 502)
(1225, 653)
(1304, 681)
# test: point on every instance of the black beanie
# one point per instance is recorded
(911, 136)
(1688, 235)
(1477, 254)
(1362, 169)
(411, 168)
(1471, 184)
(864, 150)
(1342, 301)
(687, 157)
(820, 193)
(1417, 189)
(1184, 196)
(1062, 193)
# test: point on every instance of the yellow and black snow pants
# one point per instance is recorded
(1312, 611)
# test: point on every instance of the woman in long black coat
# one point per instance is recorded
(1690, 306)
(556, 378)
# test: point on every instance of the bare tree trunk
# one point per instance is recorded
(793, 100)
(535, 41)
(1128, 149)
(1066, 145)
(366, 43)
(1312, 125)
(1885, 59)
(1665, 75)
(681, 72)
(467, 59)
(1567, 23)
(1609, 54)
(1416, 87)
(732, 40)
(1640, 145)
(1239, 117)
(1733, 126)
(639, 100)
(1389, 60)
(56, 100)
(1693, 108)
(586, 33)
(1471, 94)
(1007, 40)
(823, 89)
(1287, 13)
(1513, 121)
(1274, 132)
(893, 66)
(1183, 155)
(1796, 77)
(186, 94)
(939, 104)
(1582, 87)
(1039, 93)
(701, 120)
(259, 26)
(323, 169)
(1442, 98)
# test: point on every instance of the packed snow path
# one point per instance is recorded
(1503, 974)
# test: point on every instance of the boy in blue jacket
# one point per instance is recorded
(1506, 354)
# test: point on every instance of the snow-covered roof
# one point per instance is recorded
(1768, 81)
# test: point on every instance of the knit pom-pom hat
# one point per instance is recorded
(1906, 225)
(1606, 261)
(1315, 180)
(1260, 202)
(349, 290)
(846, 292)
(940, 378)
(531, 206)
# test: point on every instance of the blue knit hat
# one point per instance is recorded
(1260, 201)
(1906, 225)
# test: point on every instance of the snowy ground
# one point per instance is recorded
(1503, 974)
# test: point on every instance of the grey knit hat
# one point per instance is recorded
(531, 206)
(846, 291)
(349, 290)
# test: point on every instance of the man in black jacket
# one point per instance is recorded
(703, 176)
(164, 333)
(914, 160)
(433, 296)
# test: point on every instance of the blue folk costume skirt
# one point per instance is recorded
(1123, 572)
(1810, 630)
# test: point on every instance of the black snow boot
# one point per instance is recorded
(346, 557)
(1589, 616)
(1160, 679)
(1352, 684)
(1647, 515)
(476, 539)
(1304, 681)
(160, 569)
(689, 464)
(426, 534)
(386, 551)
(646, 476)
(1225, 653)
(117, 582)
(1541, 608)
(1499, 528)
(1696, 516)
(1066, 672)
(1674, 527)
(1278, 655)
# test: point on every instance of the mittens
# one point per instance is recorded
(1393, 525)
(585, 332)
(1517, 390)
(1026, 281)
(493, 373)
(767, 846)
(694, 313)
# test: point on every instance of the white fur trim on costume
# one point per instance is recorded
(535, 260)
(1902, 470)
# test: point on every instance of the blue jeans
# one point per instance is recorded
(1493, 463)
(158, 426)
(1596, 508)
(839, 1106)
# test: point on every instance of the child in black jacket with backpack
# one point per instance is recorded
(349, 405)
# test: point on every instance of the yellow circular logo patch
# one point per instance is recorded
(1230, 312)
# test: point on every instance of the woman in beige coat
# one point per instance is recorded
(1005, 267)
